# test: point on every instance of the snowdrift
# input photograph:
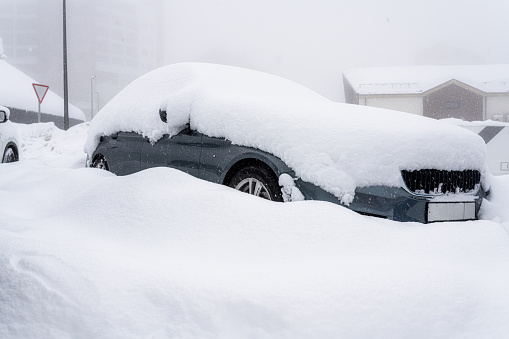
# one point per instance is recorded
(86, 254)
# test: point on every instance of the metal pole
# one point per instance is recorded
(39, 113)
(92, 96)
(98, 101)
(66, 94)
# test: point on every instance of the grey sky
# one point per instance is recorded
(312, 41)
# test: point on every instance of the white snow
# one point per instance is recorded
(484, 123)
(336, 146)
(86, 254)
(16, 91)
(289, 189)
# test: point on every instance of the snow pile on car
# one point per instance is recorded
(335, 146)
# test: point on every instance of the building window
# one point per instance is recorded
(452, 105)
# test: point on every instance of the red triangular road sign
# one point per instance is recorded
(40, 91)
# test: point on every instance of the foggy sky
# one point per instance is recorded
(313, 41)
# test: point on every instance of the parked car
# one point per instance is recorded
(282, 142)
(8, 142)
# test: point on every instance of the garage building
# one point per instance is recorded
(471, 93)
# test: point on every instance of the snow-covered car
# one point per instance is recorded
(8, 140)
(271, 137)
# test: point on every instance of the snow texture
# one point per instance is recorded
(459, 122)
(335, 146)
(16, 91)
(86, 254)
(289, 189)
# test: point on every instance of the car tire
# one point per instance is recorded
(258, 181)
(100, 163)
(9, 155)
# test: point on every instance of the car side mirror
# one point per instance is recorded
(3, 116)
(163, 115)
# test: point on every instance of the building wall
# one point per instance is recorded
(117, 40)
(412, 105)
(351, 97)
(497, 106)
(29, 117)
(19, 32)
(454, 101)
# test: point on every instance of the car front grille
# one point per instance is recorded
(431, 181)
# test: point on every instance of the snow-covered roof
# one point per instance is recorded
(336, 146)
(16, 91)
(419, 79)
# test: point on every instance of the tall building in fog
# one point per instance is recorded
(113, 41)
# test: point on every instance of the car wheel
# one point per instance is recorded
(258, 181)
(9, 155)
(100, 162)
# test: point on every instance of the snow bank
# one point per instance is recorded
(16, 91)
(48, 143)
(86, 254)
(459, 122)
(336, 146)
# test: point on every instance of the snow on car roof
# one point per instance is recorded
(336, 146)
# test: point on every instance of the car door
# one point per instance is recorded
(181, 152)
(122, 151)
(215, 155)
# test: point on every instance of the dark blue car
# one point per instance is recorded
(273, 138)
(257, 172)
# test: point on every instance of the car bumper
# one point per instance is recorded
(397, 204)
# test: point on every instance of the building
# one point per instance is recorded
(110, 43)
(18, 94)
(496, 136)
(471, 93)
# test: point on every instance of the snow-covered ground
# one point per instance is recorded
(86, 254)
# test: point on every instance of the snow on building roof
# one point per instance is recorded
(419, 79)
(16, 91)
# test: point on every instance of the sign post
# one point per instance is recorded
(66, 90)
(40, 91)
